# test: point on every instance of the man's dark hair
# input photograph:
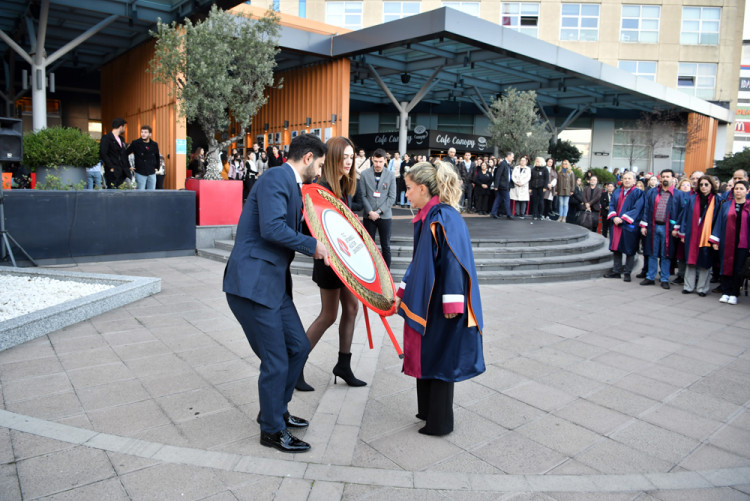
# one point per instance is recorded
(608, 183)
(304, 144)
(508, 153)
(147, 127)
(117, 122)
(379, 153)
(667, 170)
(742, 181)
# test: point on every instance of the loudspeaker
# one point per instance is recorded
(11, 139)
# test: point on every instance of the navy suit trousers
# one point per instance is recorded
(278, 339)
(501, 196)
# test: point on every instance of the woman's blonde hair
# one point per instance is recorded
(440, 179)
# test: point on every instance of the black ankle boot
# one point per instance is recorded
(343, 370)
(301, 384)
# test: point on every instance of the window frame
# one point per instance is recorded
(696, 77)
(401, 13)
(345, 4)
(461, 6)
(638, 72)
(519, 17)
(640, 21)
(581, 21)
(685, 34)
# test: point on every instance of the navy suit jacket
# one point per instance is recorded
(268, 234)
(502, 175)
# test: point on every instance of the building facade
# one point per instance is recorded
(694, 46)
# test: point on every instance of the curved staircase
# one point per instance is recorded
(520, 251)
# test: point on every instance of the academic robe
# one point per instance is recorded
(674, 211)
(440, 280)
(628, 207)
(724, 235)
(695, 228)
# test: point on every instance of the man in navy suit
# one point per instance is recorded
(258, 285)
(502, 186)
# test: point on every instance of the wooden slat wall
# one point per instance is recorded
(701, 143)
(128, 91)
(317, 92)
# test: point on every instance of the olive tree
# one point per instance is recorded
(516, 126)
(217, 68)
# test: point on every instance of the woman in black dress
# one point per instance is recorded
(341, 179)
(482, 190)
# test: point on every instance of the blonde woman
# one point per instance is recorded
(439, 297)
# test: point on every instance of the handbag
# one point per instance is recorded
(584, 219)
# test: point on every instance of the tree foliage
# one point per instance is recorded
(516, 126)
(565, 150)
(731, 163)
(217, 68)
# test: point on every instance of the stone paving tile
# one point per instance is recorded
(35, 387)
(559, 434)
(413, 451)
(703, 405)
(221, 427)
(366, 456)
(56, 406)
(165, 384)
(636, 350)
(128, 418)
(598, 371)
(573, 467)
(99, 374)
(505, 411)
(647, 387)
(735, 440)
(670, 376)
(708, 457)
(472, 430)
(227, 371)
(613, 457)
(723, 494)
(174, 481)
(580, 348)
(571, 383)
(516, 454)
(656, 441)
(88, 358)
(688, 364)
(59, 471)
(9, 486)
(499, 379)
(112, 394)
(125, 463)
(705, 356)
(133, 336)
(30, 350)
(725, 385)
(621, 361)
(742, 421)
(134, 351)
(158, 364)
(110, 489)
(26, 445)
(549, 355)
(540, 395)
(30, 368)
(527, 367)
(64, 344)
(622, 400)
(466, 462)
(680, 421)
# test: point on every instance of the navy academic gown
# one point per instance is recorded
(441, 279)
(624, 238)
(674, 209)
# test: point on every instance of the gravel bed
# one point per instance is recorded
(20, 295)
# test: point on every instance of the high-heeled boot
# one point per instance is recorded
(343, 370)
(301, 384)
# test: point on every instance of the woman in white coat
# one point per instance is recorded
(520, 190)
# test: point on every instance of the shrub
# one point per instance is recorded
(603, 175)
(59, 146)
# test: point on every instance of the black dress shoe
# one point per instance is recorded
(641, 275)
(702, 294)
(678, 281)
(612, 274)
(646, 281)
(283, 441)
(685, 291)
(626, 277)
(494, 216)
(665, 285)
(291, 421)
(510, 217)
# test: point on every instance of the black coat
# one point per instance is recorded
(113, 155)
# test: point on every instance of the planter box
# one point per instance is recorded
(68, 175)
(7, 178)
(62, 225)
(216, 202)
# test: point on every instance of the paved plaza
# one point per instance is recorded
(595, 389)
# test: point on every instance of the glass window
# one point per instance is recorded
(399, 10)
(521, 16)
(580, 22)
(302, 11)
(344, 14)
(640, 23)
(630, 142)
(471, 8)
(700, 25)
(697, 79)
(645, 69)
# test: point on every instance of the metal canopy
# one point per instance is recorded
(67, 19)
(478, 60)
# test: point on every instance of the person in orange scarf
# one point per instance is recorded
(696, 223)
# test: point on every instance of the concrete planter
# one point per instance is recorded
(102, 224)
